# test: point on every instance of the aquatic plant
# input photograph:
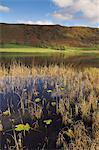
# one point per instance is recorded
(37, 100)
(22, 127)
(48, 121)
(49, 92)
(6, 113)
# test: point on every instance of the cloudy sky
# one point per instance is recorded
(63, 12)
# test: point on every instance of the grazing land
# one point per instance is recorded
(69, 50)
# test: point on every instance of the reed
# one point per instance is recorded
(75, 93)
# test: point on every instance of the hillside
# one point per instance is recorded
(48, 35)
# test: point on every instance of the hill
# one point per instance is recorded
(48, 35)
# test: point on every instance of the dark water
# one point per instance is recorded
(10, 97)
(86, 60)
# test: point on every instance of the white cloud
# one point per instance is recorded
(60, 16)
(4, 8)
(63, 3)
(39, 22)
(87, 10)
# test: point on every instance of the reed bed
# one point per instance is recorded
(73, 92)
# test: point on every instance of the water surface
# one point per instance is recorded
(46, 59)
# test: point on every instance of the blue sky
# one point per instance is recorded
(63, 12)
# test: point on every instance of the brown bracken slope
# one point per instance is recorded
(48, 35)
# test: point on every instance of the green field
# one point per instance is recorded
(27, 50)
(31, 49)
(49, 50)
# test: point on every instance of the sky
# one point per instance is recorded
(63, 12)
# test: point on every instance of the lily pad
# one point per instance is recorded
(6, 113)
(48, 122)
(22, 127)
(49, 91)
(37, 100)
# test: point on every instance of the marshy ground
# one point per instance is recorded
(54, 107)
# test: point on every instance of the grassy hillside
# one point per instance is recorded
(54, 36)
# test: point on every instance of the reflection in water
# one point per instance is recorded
(30, 60)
